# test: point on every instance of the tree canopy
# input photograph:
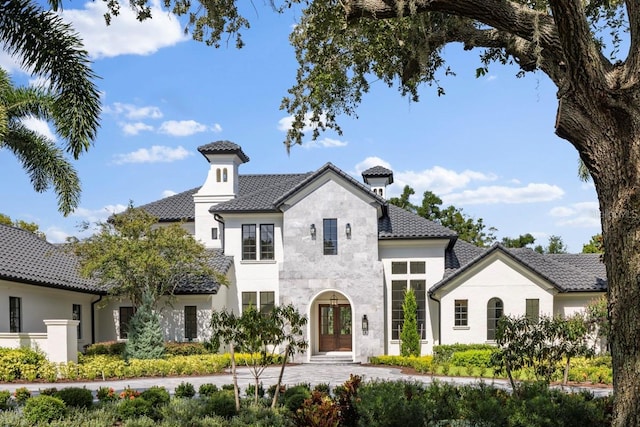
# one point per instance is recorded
(132, 256)
(343, 46)
(47, 46)
(31, 227)
(468, 228)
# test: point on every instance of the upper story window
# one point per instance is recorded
(330, 236)
(266, 241)
(224, 175)
(218, 174)
(250, 239)
(214, 234)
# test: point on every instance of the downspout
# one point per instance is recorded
(431, 297)
(93, 319)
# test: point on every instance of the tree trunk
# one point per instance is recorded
(567, 366)
(234, 375)
(605, 128)
(276, 393)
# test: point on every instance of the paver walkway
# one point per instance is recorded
(295, 374)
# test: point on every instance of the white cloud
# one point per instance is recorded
(325, 143)
(531, 193)
(584, 214)
(370, 162)
(134, 112)
(285, 123)
(95, 215)
(125, 35)
(39, 126)
(216, 128)
(182, 127)
(56, 235)
(168, 193)
(491, 77)
(135, 128)
(9, 63)
(155, 154)
(439, 180)
(40, 82)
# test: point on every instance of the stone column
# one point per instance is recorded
(62, 340)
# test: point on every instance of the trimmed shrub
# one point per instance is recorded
(182, 412)
(20, 364)
(135, 408)
(5, 400)
(156, 395)
(110, 348)
(21, 395)
(472, 358)
(207, 389)
(44, 409)
(185, 390)
(390, 403)
(444, 353)
(185, 348)
(76, 397)
(295, 396)
(220, 403)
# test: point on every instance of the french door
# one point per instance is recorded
(335, 327)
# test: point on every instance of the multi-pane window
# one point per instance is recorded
(266, 241)
(15, 314)
(190, 322)
(461, 312)
(420, 290)
(126, 313)
(330, 236)
(417, 267)
(76, 314)
(265, 305)
(532, 311)
(249, 299)
(267, 302)
(249, 241)
(398, 288)
(398, 267)
(495, 309)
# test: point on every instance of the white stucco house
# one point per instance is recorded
(323, 241)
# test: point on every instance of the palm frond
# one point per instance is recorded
(48, 46)
(45, 164)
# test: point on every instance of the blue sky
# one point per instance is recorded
(488, 146)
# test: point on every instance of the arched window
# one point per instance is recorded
(218, 175)
(224, 175)
(495, 309)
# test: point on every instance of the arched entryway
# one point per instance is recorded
(334, 324)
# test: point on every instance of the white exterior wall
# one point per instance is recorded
(252, 275)
(497, 277)
(569, 304)
(39, 303)
(171, 317)
(432, 253)
(308, 277)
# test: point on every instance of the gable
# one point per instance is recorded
(497, 272)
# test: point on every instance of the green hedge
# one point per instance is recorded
(472, 358)
(444, 353)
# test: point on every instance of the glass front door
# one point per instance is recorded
(335, 327)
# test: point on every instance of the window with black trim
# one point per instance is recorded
(267, 301)
(125, 315)
(214, 234)
(266, 241)
(249, 299)
(76, 314)
(461, 312)
(15, 314)
(495, 309)
(532, 310)
(330, 236)
(398, 288)
(190, 322)
(249, 241)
